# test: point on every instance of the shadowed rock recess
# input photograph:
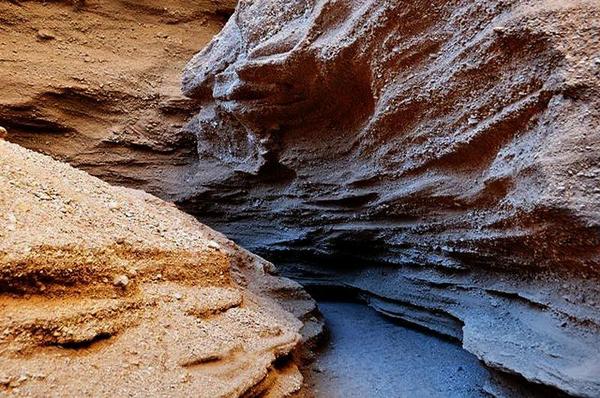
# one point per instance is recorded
(439, 158)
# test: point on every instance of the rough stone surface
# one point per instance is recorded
(104, 93)
(441, 157)
(110, 292)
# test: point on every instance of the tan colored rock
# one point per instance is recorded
(121, 281)
(3, 133)
(79, 80)
(43, 34)
(205, 328)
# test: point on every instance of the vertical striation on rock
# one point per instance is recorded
(440, 157)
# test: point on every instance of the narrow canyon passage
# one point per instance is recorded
(181, 183)
(370, 356)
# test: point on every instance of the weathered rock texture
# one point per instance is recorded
(110, 292)
(441, 157)
(96, 83)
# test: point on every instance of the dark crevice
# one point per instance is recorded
(84, 344)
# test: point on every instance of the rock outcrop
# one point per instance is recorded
(108, 291)
(97, 84)
(438, 158)
(441, 158)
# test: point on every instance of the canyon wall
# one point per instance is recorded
(96, 83)
(109, 291)
(441, 158)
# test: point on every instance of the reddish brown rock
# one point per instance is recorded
(441, 158)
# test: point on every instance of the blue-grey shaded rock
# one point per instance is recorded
(440, 157)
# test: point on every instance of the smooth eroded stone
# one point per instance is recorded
(442, 158)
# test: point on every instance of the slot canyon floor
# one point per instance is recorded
(368, 355)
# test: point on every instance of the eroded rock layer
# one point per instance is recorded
(96, 83)
(441, 157)
(109, 292)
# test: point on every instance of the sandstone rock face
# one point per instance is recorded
(441, 158)
(97, 84)
(109, 292)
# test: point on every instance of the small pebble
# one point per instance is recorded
(121, 281)
(45, 35)
(499, 30)
(3, 133)
(214, 245)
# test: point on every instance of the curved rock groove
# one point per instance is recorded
(440, 157)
